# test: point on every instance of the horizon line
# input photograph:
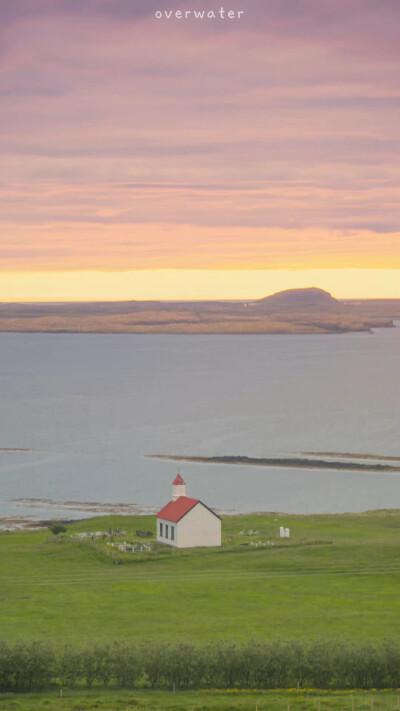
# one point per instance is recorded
(84, 286)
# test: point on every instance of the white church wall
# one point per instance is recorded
(167, 532)
(199, 527)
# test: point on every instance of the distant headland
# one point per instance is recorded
(294, 311)
(312, 298)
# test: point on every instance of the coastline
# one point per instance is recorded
(12, 524)
(203, 317)
(291, 462)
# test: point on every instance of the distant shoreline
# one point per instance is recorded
(302, 311)
(291, 462)
(13, 522)
(18, 449)
(171, 330)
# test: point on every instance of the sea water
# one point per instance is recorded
(88, 408)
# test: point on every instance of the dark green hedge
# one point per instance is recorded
(320, 664)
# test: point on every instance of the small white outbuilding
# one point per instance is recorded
(186, 522)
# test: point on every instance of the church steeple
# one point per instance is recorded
(178, 487)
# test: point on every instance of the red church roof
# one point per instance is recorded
(178, 480)
(177, 509)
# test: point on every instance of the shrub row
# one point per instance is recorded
(322, 664)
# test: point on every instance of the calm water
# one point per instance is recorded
(93, 405)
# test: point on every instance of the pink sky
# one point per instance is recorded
(133, 143)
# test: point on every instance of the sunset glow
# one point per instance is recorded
(146, 158)
(186, 284)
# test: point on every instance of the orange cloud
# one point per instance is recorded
(165, 246)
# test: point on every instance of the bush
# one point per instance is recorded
(57, 528)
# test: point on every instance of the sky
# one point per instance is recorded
(215, 158)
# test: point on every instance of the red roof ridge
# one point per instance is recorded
(175, 510)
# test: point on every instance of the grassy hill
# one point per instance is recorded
(337, 576)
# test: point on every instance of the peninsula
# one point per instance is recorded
(309, 310)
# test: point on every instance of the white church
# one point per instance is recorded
(186, 522)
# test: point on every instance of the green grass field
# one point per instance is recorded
(108, 700)
(338, 576)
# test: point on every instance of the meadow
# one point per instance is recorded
(336, 577)
(109, 700)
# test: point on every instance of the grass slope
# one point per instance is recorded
(337, 576)
(109, 700)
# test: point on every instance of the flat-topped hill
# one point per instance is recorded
(305, 299)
